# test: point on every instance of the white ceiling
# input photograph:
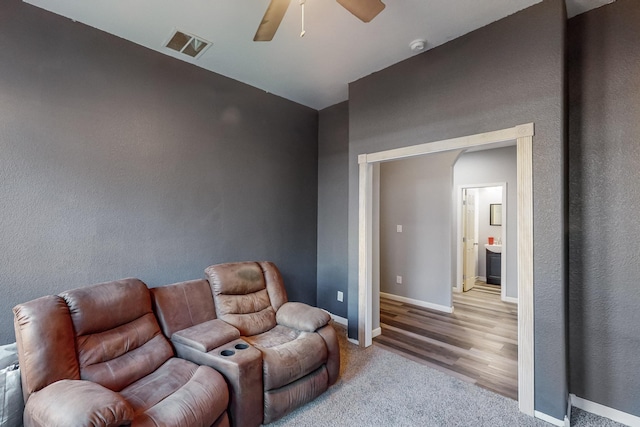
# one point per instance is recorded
(314, 70)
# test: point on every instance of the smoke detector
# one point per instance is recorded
(187, 44)
(418, 45)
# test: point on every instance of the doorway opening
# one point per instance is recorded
(425, 201)
(482, 243)
(523, 134)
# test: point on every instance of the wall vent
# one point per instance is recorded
(187, 44)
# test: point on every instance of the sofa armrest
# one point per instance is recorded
(77, 402)
(207, 335)
(300, 316)
(330, 338)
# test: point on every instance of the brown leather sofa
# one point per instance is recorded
(95, 356)
(275, 355)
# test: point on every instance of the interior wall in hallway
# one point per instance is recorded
(415, 194)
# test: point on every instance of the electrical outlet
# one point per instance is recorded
(399, 228)
(399, 280)
(340, 296)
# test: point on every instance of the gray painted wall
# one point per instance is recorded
(604, 160)
(505, 74)
(486, 167)
(119, 161)
(333, 196)
(416, 193)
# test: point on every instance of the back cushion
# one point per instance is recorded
(117, 336)
(183, 305)
(241, 296)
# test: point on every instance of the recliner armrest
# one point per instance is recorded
(301, 316)
(77, 402)
(207, 335)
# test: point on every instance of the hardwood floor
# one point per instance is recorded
(477, 343)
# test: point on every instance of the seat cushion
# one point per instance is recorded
(288, 355)
(179, 393)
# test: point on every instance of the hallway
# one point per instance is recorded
(477, 343)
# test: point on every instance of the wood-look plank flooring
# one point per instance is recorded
(477, 343)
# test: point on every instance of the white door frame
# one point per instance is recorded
(523, 134)
(503, 237)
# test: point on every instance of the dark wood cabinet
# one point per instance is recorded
(494, 267)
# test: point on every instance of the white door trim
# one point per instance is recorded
(523, 134)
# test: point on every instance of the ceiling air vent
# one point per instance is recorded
(187, 44)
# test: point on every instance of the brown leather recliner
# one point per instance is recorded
(275, 355)
(300, 353)
(95, 356)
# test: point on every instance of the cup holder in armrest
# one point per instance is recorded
(237, 350)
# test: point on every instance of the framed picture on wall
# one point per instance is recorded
(495, 214)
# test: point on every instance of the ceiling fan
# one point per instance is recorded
(365, 10)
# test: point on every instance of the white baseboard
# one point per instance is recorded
(548, 418)
(344, 322)
(419, 303)
(376, 332)
(340, 320)
(482, 278)
(605, 411)
(510, 299)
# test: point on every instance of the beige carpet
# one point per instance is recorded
(380, 388)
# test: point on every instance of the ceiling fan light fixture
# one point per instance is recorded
(365, 10)
(418, 45)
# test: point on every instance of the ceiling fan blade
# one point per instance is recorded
(365, 10)
(271, 20)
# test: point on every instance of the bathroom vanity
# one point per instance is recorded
(494, 264)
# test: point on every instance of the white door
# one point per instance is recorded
(470, 245)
